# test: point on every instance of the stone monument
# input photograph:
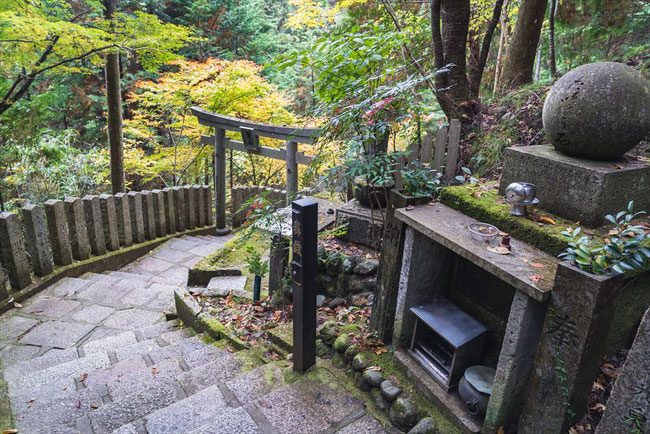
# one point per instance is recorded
(592, 116)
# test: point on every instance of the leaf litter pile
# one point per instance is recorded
(610, 368)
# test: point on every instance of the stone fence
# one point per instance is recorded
(38, 244)
(241, 194)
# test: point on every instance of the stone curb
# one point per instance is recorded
(189, 311)
(197, 277)
(109, 262)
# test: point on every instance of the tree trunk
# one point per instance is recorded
(503, 39)
(114, 101)
(449, 44)
(476, 74)
(551, 38)
(518, 67)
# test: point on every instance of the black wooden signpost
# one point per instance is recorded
(303, 270)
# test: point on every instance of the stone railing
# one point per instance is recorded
(44, 243)
(239, 195)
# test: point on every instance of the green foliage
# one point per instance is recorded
(254, 262)
(421, 180)
(466, 177)
(622, 252)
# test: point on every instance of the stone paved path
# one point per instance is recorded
(96, 355)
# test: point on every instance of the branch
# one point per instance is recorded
(477, 73)
(419, 67)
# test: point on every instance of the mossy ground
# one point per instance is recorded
(6, 415)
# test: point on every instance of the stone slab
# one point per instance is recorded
(448, 228)
(92, 314)
(68, 286)
(365, 425)
(236, 420)
(133, 318)
(58, 334)
(37, 240)
(576, 189)
(209, 210)
(114, 415)
(51, 358)
(179, 203)
(308, 406)
(199, 205)
(159, 213)
(74, 215)
(104, 293)
(142, 347)
(49, 307)
(364, 226)
(201, 377)
(164, 372)
(190, 206)
(170, 210)
(223, 285)
(14, 326)
(188, 414)
(58, 231)
(256, 383)
(12, 354)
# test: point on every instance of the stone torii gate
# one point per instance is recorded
(251, 132)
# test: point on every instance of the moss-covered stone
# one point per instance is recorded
(425, 426)
(342, 343)
(6, 416)
(360, 362)
(373, 377)
(486, 208)
(338, 361)
(352, 351)
(379, 401)
(403, 413)
(322, 349)
(328, 332)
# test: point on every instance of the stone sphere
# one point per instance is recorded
(598, 111)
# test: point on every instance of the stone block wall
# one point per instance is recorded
(341, 275)
(40, 238)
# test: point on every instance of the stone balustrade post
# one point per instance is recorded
(190, 206)
(109, 220)
(209, 215)
(170, 210)
(199, 205)
(4, 284)
(123, 215)
(137, 222)
(37, 241)
(148, 215)
(179, 202)
(93, 216)
(58, 230)
(159, 212)
(74, 214)
(12, 251)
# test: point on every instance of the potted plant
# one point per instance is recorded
(258, 268)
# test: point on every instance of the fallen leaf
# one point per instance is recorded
(598, 407)
(9, 431)
(410, 207)
(381, 350)
(500, 430)
(537, 265)
(536, 278)
(374, 368)
(617, 166)
(83, 377)
(548, 220)
(94, 407)
(30, 402)
(77, 404)
(17, 305)
(501, 250)
(154, 370)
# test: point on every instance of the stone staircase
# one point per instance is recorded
(98, 354)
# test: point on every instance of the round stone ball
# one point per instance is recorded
(598, 111)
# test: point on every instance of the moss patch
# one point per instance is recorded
(233, 252)
(485, 208)
(6, 416)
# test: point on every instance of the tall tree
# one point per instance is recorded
(551, 37)
(449, 30)
(114, 102)
(476, 73)
(518, 66)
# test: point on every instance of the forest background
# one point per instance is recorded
(369, 73)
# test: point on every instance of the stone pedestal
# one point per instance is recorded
(365, 226)
(577, 189)
(571, 346)
(628, 407)
(383, 308)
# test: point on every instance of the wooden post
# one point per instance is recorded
(303, 271)
(220, 180)
(292, 169)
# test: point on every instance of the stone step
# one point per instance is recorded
(235, 420)
(221, 286)
(257, 382)
(134, 406)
